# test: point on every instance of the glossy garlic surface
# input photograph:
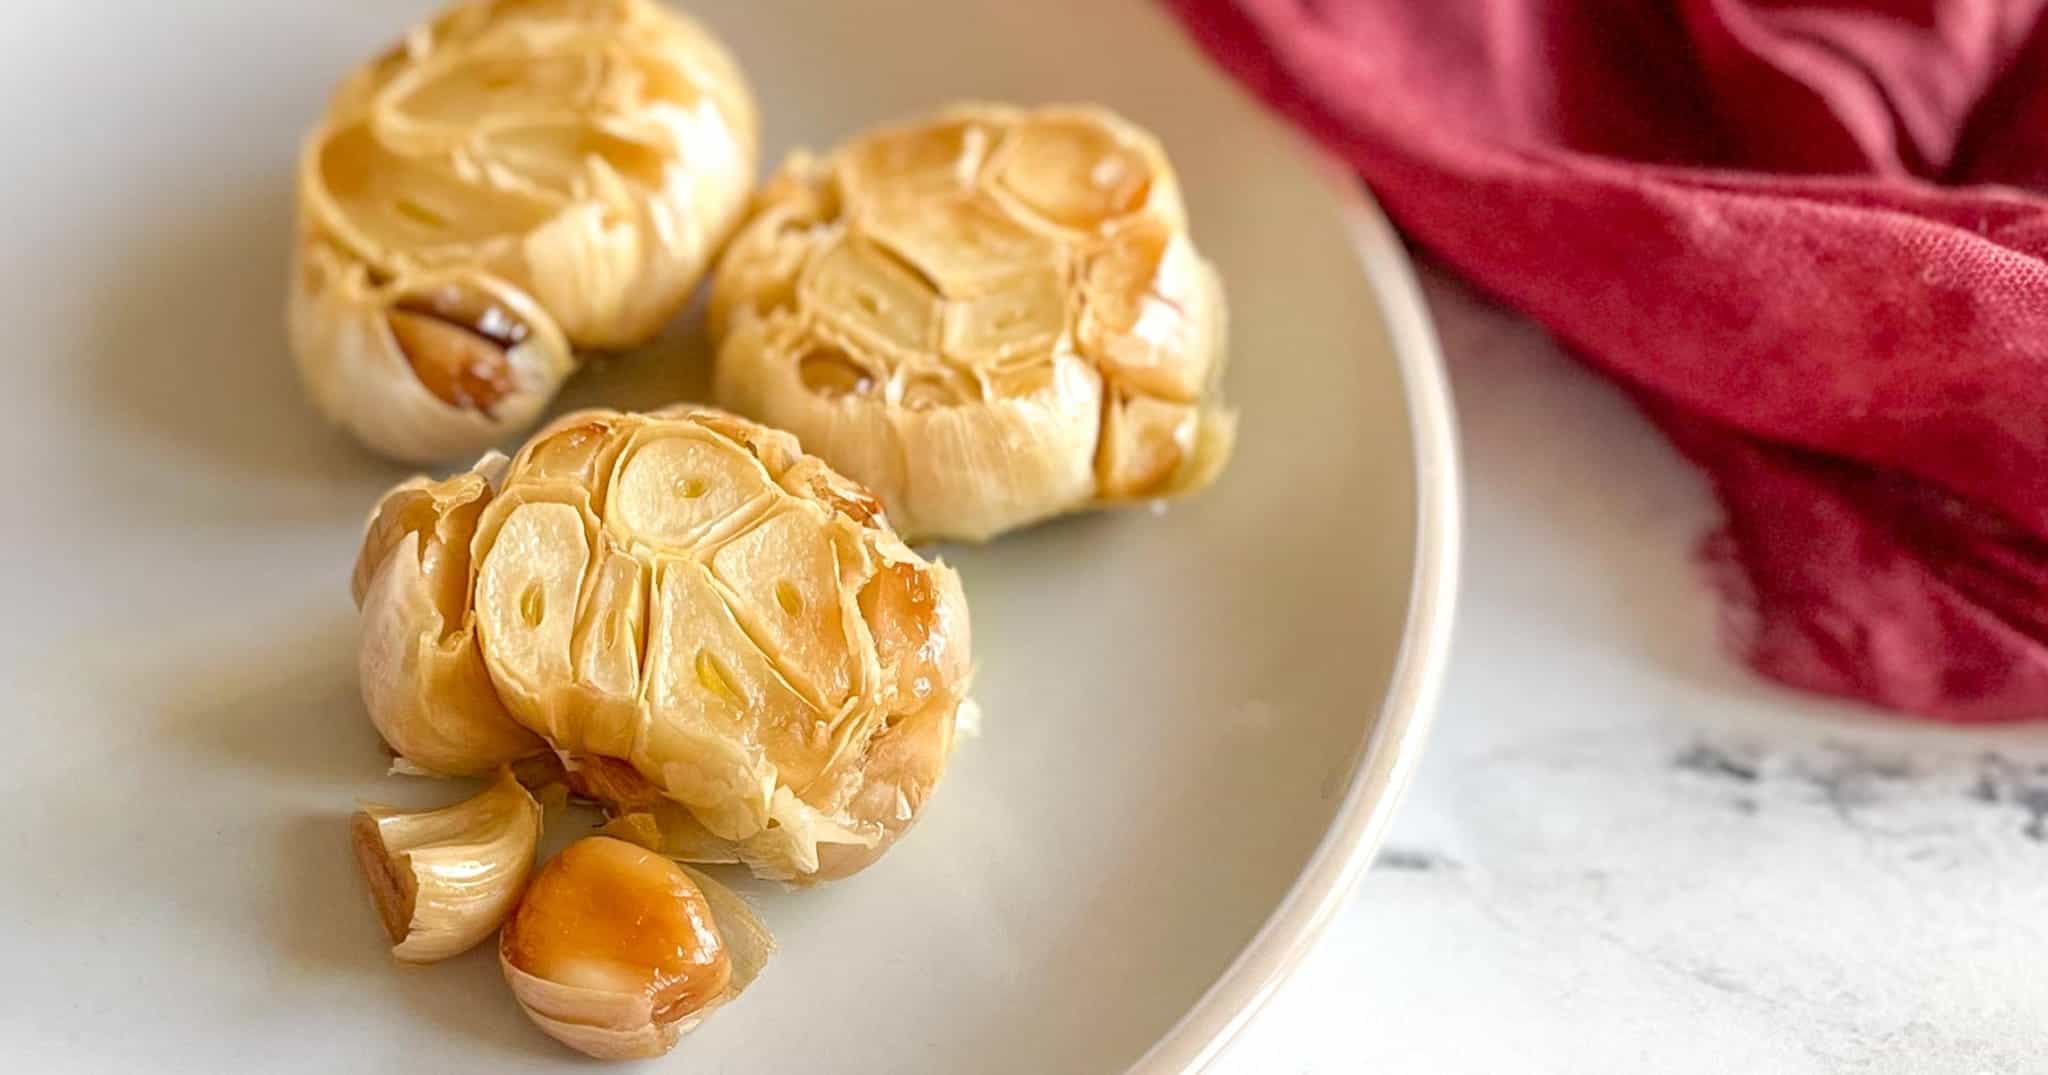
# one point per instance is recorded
(616, 951)
(515, 181)
(990, 317)
(720, 636)
(608, 917)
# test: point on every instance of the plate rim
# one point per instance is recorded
(1386, 760)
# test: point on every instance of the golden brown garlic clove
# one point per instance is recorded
(460, 348)
(615, 951)
(442, 880)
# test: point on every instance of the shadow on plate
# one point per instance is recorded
(190, 344)
(674, 368)
(322, 920)
(289, 708)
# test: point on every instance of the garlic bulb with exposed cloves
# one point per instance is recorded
(518, 179)
(988, 317)
(721, 637)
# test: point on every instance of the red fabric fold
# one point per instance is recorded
(1800, 232)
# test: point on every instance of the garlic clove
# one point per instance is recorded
(616, 952)
(419, 663)
(446, 364)
(1215, 438)
(1078, 169)
(1144, 441)
(442, 880)
(905, 762)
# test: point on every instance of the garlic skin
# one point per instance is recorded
(721, 638)
(443, 880)
(617, 952)
(517, 180)
(989, 316)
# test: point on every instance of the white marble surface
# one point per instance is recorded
(1623, 853)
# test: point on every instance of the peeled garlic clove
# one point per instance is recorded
(515, 181)
(990, 317)
(442, 880)
(616, 951)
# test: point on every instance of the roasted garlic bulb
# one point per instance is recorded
(720, 635)
(518, 179)
(989, 317)
(442, 880)
(617, 952)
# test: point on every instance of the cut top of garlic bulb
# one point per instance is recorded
(688, 605)
(517, 179)
(989, 316)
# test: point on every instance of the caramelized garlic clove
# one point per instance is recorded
(616, 951)
(442, 880)
(442, 366)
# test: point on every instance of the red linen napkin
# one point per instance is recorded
(1776, 222)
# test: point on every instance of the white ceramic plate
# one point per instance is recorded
(1197, 721)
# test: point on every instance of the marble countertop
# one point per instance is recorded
(1624, 853)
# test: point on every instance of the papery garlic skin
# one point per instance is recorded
(616, 951)
(443, 880)
(517, 180)
(990, 316)
(721, 638)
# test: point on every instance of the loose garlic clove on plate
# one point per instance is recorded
(442, 880)
(616, 951)
(519, 179)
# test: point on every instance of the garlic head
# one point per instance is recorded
(518, 180)
(990, 316)
(722, 638)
